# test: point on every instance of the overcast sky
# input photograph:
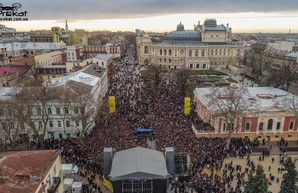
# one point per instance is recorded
(75, 10)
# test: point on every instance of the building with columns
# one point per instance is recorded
(269, 115)
(207, 46)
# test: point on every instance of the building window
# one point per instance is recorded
(165, 60)
(220, 52)
(160, 60)
(51, 123)
(278, 126)
(39, 124)
(181, 52)
(77, 123)
(238, 52)
(146, 49)
(261, 124)
(59, 123)
(270, 124)
(224, 52)
(196, 53)
(203, 53)
(58, 111)
(67, 124)
(170, 61)
(165, 52)
(66, 110)
(76, 110)
(170, 52)
(291, 126)
(160, 51)
(49, 111)
(247, 126)
(38, 110)
(215, 52)
(212, 52)
(190, 53)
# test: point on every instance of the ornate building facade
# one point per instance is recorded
(208, 46)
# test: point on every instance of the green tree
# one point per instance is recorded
(288, 184)
(256, 183)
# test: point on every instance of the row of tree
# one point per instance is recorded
(270, 68)
(30, 110)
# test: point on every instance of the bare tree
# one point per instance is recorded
(258, 59)
(35, 106)
(291, 102)
(83, 107)
(183, 81)
(230, 105)
(10, 123)
(282, 76)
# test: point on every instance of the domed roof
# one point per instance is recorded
(180, 27)
(188, 35)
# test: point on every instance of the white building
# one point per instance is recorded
(103, 60)
(17, 50)
(63, 119)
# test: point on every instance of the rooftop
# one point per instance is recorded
(138, 161)
(23, 171)
(265, 97)
(104, 56)
(20, 69)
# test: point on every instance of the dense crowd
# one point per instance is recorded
(139, 105)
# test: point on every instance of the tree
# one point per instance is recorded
(183, 81)
(258, 59)
(229, 104)
(257, 182)
(290, 178)
(10, 123)
(291, 102)
(35, 104)
(82, 104)
(282, 76)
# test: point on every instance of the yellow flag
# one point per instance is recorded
(108, 184)
(187, 105)
(112, 104)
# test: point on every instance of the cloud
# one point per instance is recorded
(115, 9)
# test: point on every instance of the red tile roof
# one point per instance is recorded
(20, 168)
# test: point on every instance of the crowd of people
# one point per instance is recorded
(138, 105)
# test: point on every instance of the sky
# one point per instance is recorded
(156, 15)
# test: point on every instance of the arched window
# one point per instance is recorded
(238, 52)
(212, 52)
(215, 52)
(170, 52)
(160, 51)
(181, 52)
(190, 53)
(191, 66)
(204, 66)
(224, 52)
(269, 125)
(165, 52)
(203, 53)
(196, 53)
(198, 66)
(146, 49)
(220, 52)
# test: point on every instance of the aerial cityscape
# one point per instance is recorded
(148, 96)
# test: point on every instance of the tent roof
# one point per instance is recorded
(138, 162)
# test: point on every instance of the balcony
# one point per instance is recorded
(55, 185)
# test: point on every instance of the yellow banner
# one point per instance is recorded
(108, 184)
(187, 105)
(112, 104)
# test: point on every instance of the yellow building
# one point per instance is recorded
(208, 46)
(52, 71)
(38, 171)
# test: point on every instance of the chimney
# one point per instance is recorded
(169, 154)
(108, 157)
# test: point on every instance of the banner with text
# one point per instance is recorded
(112, 104)
(187, 105)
